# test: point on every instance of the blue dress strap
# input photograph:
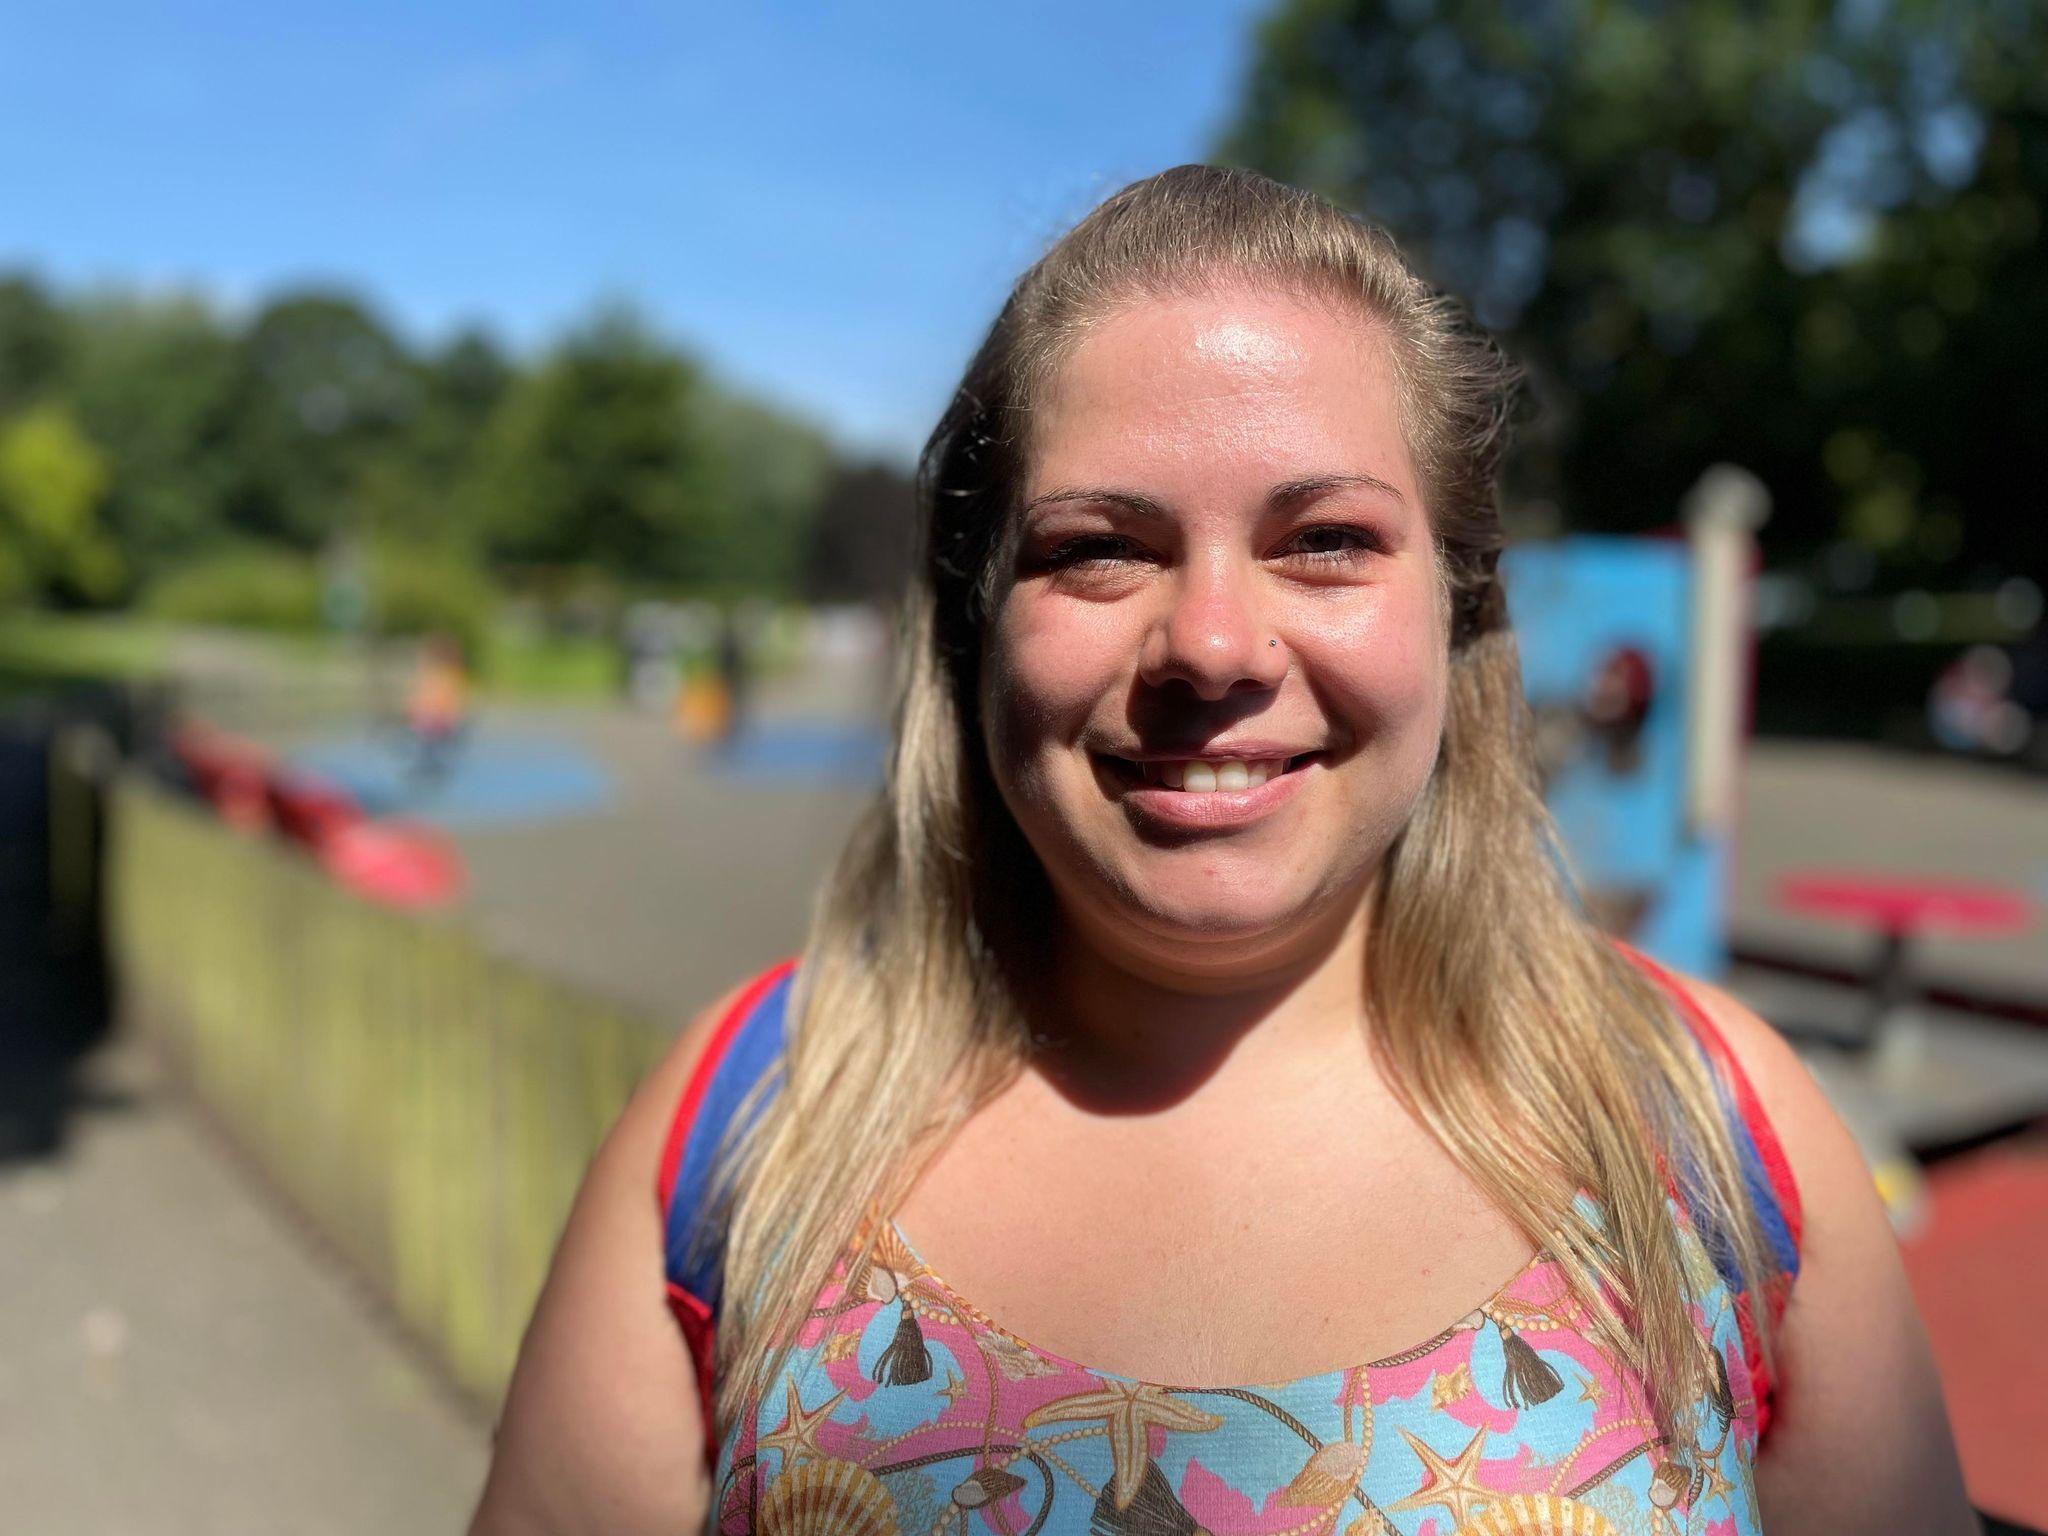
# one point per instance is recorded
(743, 1050)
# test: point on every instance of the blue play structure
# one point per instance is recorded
(1606, 631)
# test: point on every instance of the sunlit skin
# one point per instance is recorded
(1222, 552)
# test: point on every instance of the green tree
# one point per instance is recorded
(324, 394)
(411, 488)
(1801, 235)
(597, 458)
(154, 382)
(769, 472)
(462, 386)
(52, 483)
(860, 550)
(32, 341)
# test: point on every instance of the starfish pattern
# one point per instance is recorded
(1718, 1486)
(798, 1436)
(1130, 1409)
(955, 1385)
(1589, 1391)
(1451, 1483)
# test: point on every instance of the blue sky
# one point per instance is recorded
(825, 201)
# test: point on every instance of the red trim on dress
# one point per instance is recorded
(1770, 1152)
(1768, 1148)
(700, 1333)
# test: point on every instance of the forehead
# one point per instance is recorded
(1226, 385)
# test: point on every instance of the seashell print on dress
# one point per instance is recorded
(1508, 1422)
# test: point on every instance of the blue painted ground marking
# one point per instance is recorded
(804, 752)
(490, 778)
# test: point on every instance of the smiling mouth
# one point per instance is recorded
(1205, 775)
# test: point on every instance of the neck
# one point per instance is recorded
(1119, 1033)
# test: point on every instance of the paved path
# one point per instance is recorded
(687, 880)
(1863, 808)
(177, 1358)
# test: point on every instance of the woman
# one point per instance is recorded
(1201, 1005)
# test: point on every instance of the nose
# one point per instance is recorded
(1211, 635)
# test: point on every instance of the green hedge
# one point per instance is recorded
(411, 591)
(244, 588)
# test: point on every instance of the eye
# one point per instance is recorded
(1331, 543)
(1091, 551)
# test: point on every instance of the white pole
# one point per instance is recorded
(1722, 513)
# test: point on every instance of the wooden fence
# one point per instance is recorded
(430, 1105)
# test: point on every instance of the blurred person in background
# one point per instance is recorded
(436, 708)
(1992, 701)
(735, 674)
(1201, 1004)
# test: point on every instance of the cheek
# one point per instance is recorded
(1387, 662)
(1041, 682)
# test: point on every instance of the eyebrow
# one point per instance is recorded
(1288, 491)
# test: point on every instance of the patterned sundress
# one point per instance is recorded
(903, 1410)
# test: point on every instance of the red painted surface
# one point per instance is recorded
(396, 863)
(1979, 1270)
(311, 811)
(1905, 906)
(229, 773)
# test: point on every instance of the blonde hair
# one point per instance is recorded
(1535, 1053)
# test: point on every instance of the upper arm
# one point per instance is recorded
(601, 1429)
(1860, 1438)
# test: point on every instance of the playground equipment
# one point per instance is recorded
(399, 864)
(1636, 657)
(1636, 661)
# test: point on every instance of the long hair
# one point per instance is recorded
(1537, 1056)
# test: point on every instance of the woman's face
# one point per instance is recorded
(1213, 682)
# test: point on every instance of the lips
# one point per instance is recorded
(1210, 773)
(1213, 792)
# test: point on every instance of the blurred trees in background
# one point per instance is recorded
(52, 483)
(1804, 235)
(865, 536)
(597, 456)
(259, 471)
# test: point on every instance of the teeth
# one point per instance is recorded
(1202, 778)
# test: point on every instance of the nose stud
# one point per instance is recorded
(1272, 642)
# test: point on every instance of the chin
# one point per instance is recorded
(1199, 929)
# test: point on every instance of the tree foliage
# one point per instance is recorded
(311, 427)
(52, 484)
(1800, 235)
(156, 383)
(866, 533)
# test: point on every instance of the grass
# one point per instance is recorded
(522, 665)
(63, 647)
(42, 647)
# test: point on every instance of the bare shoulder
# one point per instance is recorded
(1819, 1148)
(1860, 1440)
(601, 1430)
